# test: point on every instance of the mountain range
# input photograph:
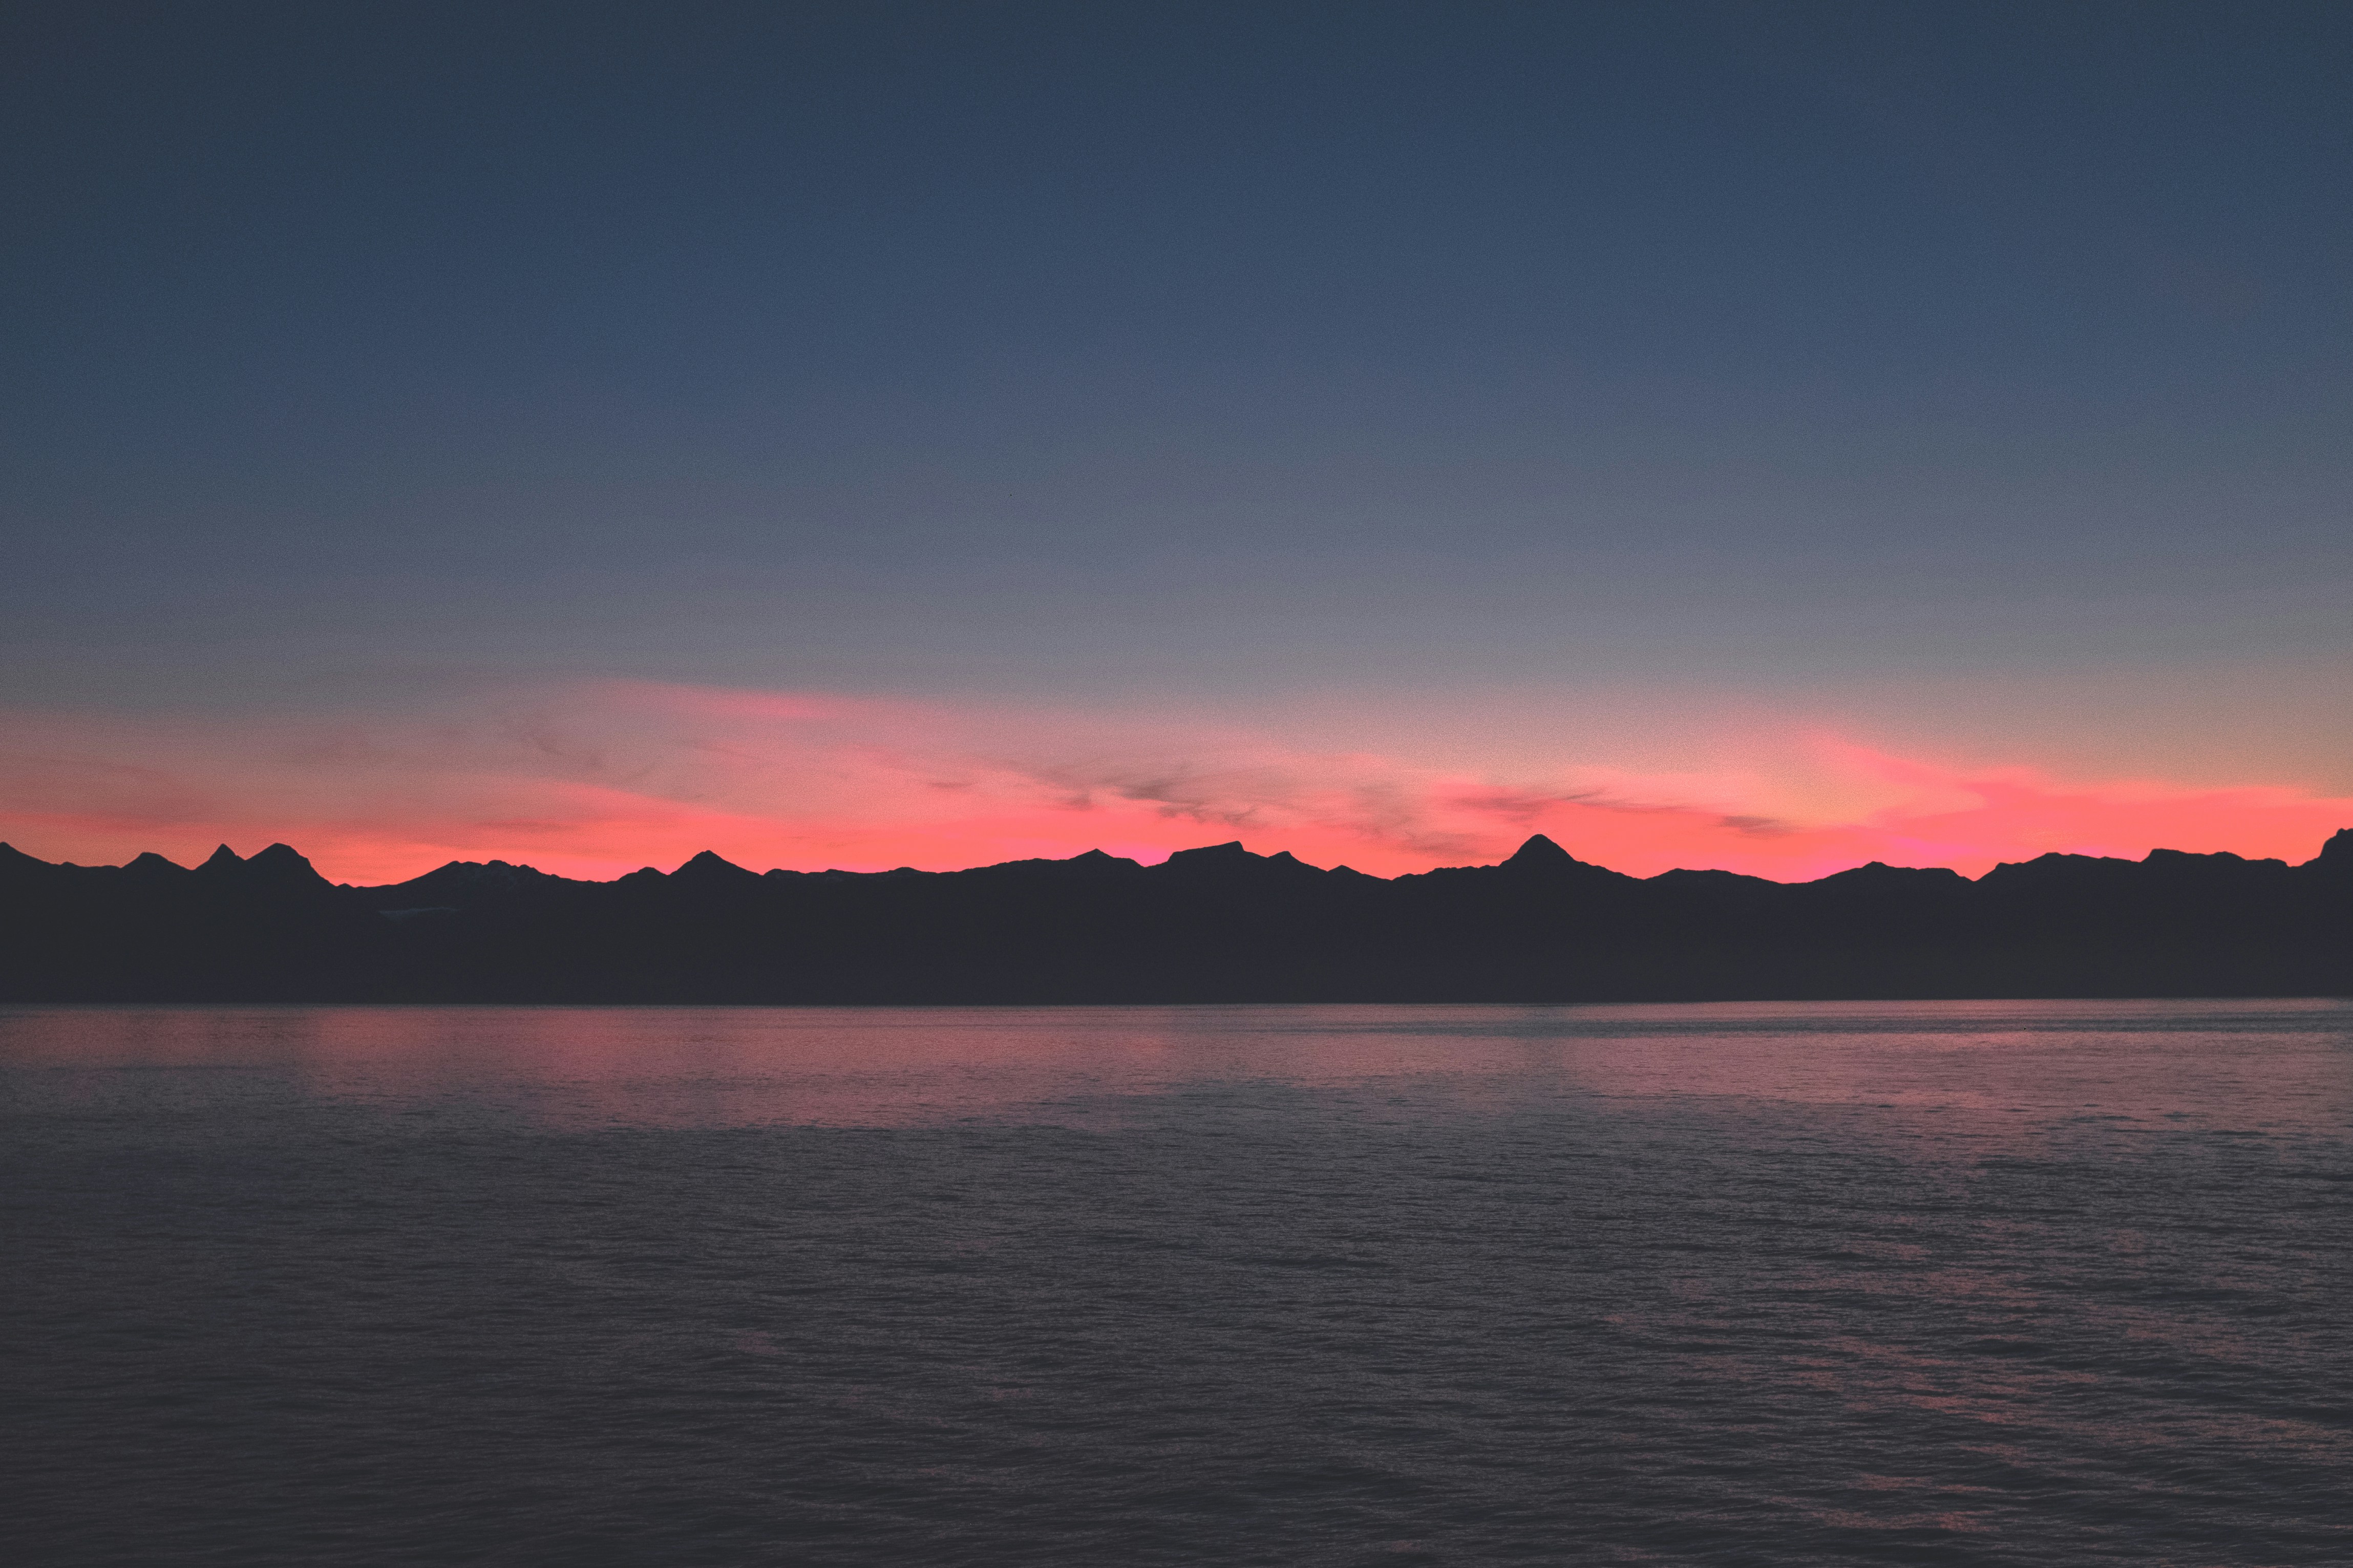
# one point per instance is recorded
(1214, 924)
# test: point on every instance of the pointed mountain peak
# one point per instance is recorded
(1540, 854)
(150, 864)
(276, 867)
(710, 866)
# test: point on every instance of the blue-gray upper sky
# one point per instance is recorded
(1194, 351)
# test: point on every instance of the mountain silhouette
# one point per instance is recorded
(1540, 854)
(1218, 924)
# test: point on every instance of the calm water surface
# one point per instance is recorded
(1966, 1283)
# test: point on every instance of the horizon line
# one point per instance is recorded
(1540, 847)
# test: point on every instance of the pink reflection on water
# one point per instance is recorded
(1973, 1078)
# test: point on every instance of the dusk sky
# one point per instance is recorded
(1767, 436)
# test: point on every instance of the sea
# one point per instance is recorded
(1982, 1282)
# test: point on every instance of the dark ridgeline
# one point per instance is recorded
(1218, 924)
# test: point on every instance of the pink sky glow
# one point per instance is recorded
(595, 780)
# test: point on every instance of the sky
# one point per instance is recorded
(1767, 436)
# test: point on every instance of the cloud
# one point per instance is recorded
(596, 779)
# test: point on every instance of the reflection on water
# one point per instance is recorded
(1831, 1283)
(2260, 1065)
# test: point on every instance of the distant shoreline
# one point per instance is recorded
(1212, 926)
